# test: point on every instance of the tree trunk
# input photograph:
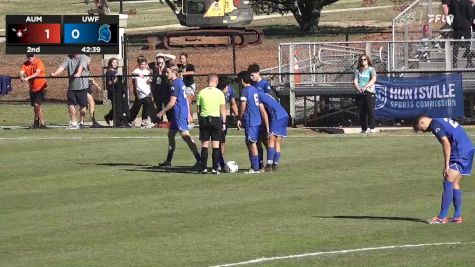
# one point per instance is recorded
(308, 20)
(307, 13)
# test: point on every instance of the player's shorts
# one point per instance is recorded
(462, 164)
(77, 97)
(37, 97)
(190, 90)
(180, 125)
(252, 134)
(279, 127)
(211, 127)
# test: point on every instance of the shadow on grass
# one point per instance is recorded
(148, 168)
(173, 169)
(374, 218)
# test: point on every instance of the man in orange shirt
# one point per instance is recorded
(33, 71)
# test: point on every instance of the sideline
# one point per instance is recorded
(264, 259)
(228, 136)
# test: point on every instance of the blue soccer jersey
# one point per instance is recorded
(230, 94)
(263, 86)
(460, 143)
(180, 110)
(274, 110)
(252, 114)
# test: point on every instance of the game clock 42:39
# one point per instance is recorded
(91, 49)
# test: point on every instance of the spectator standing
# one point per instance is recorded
(111, 85)
(211, 107)
(33, 71)
(364, 80)
(187, 72)
(77, 88)
(141, 84)
(91, 103)
(463, 16)
(160, 84)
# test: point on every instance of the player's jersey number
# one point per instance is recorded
(452, 122)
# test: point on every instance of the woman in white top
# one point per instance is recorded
(365, 78)
(141, 82)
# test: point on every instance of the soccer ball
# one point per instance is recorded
(231, 167)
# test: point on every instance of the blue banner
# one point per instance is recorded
(438, 96)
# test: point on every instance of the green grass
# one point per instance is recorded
(56, 114)
(96, 198)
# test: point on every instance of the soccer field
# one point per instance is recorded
(95, 197)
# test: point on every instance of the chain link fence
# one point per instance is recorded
(317, 68)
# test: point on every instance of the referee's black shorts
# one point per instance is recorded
(211, 127)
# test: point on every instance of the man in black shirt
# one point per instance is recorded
(462, 13)
(187, 71)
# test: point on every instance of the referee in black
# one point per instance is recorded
(212, 118)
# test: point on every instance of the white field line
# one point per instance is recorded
(264, 259)
(26, 138)
(228, 136)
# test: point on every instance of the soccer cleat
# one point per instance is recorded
(198, 166)
(456, 220)
(214, 171)
(252, 171)
(437, 220)
(81, 126)
(96, 125)
(268, 168)
(42, 126)
(72, 127)
(275, 167)
(165, 164)
(204, 171)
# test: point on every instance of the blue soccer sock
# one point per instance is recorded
(255, 162)
(447, 198)
(270, 155)
(276, 157)
(458, 203)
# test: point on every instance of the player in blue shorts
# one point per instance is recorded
(458, 156)
(251, 115)
(278, 119)
(230, 97)
(262, 86)
(179, 122)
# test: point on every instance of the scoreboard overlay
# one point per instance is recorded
(55, 34)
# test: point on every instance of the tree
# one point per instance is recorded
(306, 12)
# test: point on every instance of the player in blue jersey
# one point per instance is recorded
(458, 156)
(179, 122)
(230, 98)
(279, 120)
(251, 115)
(262, 86)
